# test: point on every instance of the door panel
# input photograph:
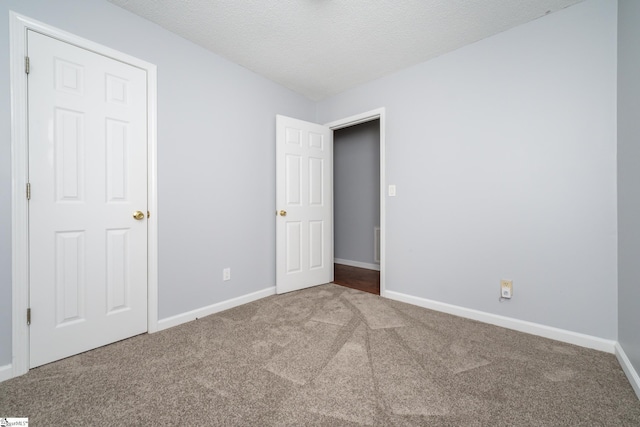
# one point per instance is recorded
(70, 277)
(304, 235)
(118, 283)
(88, 174)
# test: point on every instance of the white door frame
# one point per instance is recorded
(19, 171)
(368, 116)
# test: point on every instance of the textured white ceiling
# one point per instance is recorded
(322, 47)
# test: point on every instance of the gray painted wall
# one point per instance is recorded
(216, 157)
(629, 179)
(356, 191)
(504, 157)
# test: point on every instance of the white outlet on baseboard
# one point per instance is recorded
(506, 288)
(226, 274)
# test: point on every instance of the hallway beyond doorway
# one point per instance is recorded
(361, 279)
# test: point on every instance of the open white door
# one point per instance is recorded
(304, 202)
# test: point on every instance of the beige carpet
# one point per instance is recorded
(328, 356)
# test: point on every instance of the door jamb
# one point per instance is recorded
(378, 113)
(19, 25)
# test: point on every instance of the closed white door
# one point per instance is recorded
(88, 175)
(304, 202)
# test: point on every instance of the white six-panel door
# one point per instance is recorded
(87, 170)
(304, 202)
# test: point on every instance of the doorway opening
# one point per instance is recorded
(356, 206)
(377, 115)
(304, 200)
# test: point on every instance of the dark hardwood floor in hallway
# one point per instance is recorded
(361, 279)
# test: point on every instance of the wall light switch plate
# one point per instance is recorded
(226, 274)
(506, 288)
(392, 190)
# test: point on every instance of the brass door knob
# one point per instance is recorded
(283, 213)
(138, 215)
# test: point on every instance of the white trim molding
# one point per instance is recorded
(629, 370)
(6, 372)
(379, 113)
(152, 199)
(19, 206)
(557, 334)
(358, 264)
(198, 313)
(18, 27)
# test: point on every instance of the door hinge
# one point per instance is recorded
(27, 65)
(28, 191)
(28, 316)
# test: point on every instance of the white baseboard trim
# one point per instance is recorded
(179, 319)
(6, 372)
(629, 370)
(357, 264)
(509, 323)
